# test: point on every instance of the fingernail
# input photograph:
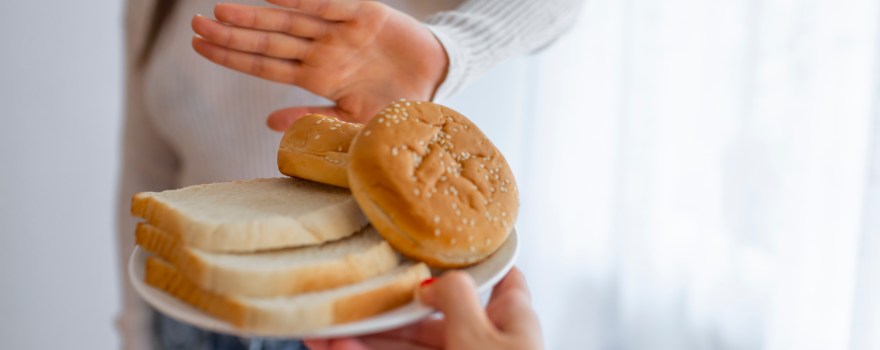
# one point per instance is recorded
(427, 282)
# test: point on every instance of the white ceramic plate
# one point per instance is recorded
(486, 274)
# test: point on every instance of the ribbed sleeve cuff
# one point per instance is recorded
(455, 73)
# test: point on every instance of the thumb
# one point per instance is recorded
(281, 119)
(455, 295)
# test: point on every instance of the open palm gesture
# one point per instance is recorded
(360, 54)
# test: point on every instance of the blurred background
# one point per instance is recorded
(694, 174)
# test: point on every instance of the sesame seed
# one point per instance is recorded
(368, 132)
(453, 240)
(488, 241)
(473, 222)
(319, 121)
(339, 149)
(458, 212)
(317, 137)
(464, 221)
(394, 151)
(472, 249)
(458, 229)
(381, 120)
(470, 238)
(436, 219)
(416, 191)
(436, 232)
(503, 213)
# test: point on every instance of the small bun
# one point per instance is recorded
(433, 184)
(315, 147)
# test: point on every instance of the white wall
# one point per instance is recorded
(60, 87)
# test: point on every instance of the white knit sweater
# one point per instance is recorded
(189, 121)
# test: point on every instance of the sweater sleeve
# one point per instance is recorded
(481, 33)
(148, 164)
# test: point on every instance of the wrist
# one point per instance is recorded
(434, 67)
(454, 72)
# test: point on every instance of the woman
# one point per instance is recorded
(190, 122)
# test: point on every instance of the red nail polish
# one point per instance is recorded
(427, 282)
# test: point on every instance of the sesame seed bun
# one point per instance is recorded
(315, 147)
(433, 184)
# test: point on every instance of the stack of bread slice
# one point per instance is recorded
(271, 255)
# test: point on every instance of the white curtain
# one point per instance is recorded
(698, 174)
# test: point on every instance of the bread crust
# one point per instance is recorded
(288, 314)
(164, 276)
(338, 218)
(433, 184)
(267, 281)
(315, 147)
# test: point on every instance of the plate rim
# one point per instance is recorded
(399, 317)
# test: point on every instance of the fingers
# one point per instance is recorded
(250, 40)
(279, 70)
(281, 119)
(455, 295)
(271, 19)
(510, 308)
(514, 280)
(332, 10)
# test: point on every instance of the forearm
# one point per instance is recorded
(481, 33)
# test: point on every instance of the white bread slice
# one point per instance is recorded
(301, 313)
(252, 215)
(278, 272)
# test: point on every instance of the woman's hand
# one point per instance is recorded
(360, 54)
(507, 323)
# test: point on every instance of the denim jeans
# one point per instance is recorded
(171, 334)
